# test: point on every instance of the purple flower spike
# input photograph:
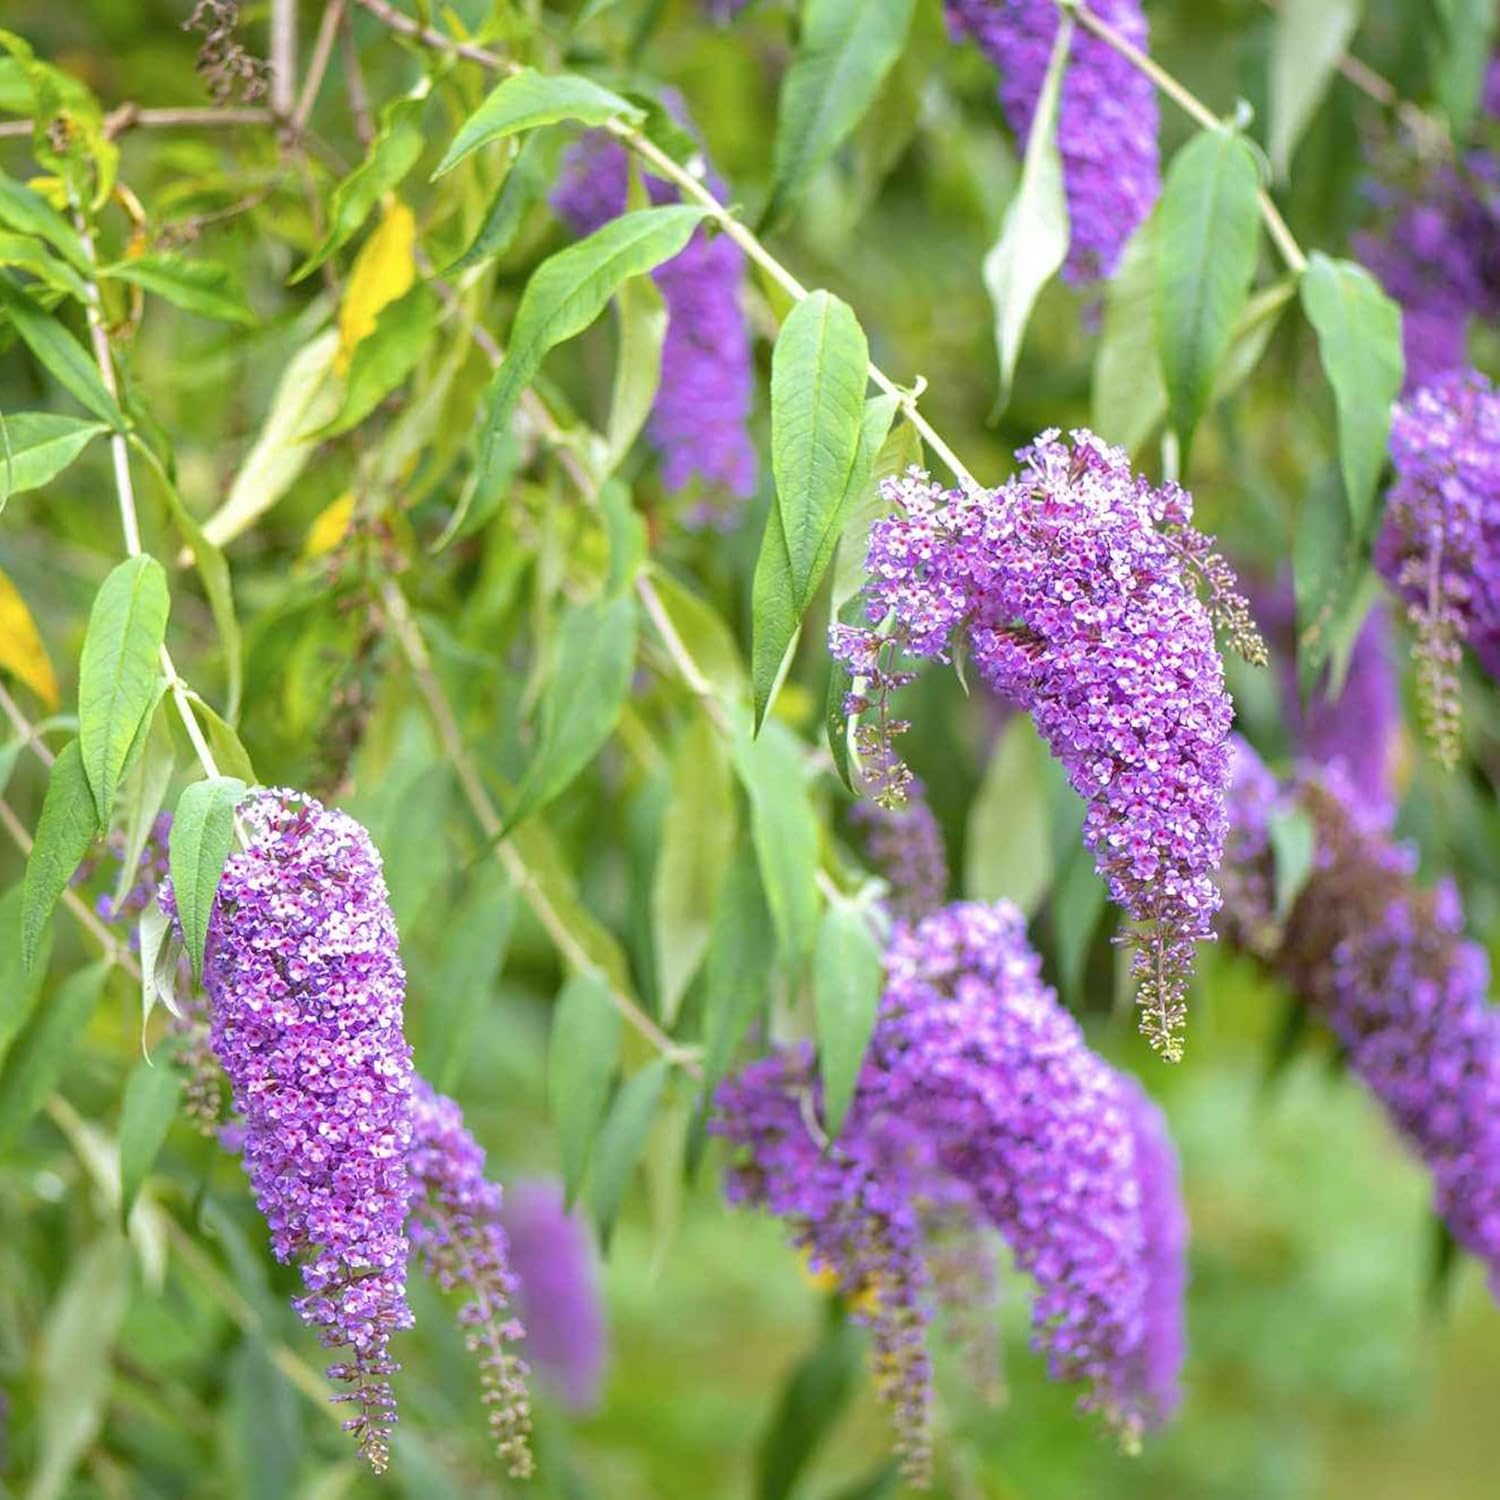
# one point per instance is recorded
(305, 988)
(1108, 120)
(558, 1291)
(1074, 589)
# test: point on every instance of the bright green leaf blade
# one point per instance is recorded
(196, 286)
(568, 291)
(144, 796)
(1033, 241)
(1210, 230)
(642, 317)
(119, 671)
(525, 185)
(737, 979)
(527, 99)
(202, 833)
(784, 828)
(1310, 38)
(21, 975)
(697, 840)
(843, 55)
(154, 931)
(848, 972)
(582, 1055)
(35, 1064)
(1294, 845)
(1359, 341)
(30, 213)
(809, 1405)
(58, 351)
(1129, 395)
(621, 1142)
(42, 445)
(32, 256)
(775, 618)
(383, 360)
(1008, 849)
(151, 1097)
(586, 690)
(229, 752)
(68, 825)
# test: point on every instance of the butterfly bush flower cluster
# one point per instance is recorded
(1073, 589)
(1107, 122)
(557, 1291)
(456, 1231)
(1384, 963)
(1439, 547)
(904, 843)
(981, 1106)
(700, 422)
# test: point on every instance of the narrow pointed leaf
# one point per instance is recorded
(622, 1141)
(582, 1055)
(202, 833)
(196, 286)
(68, 825)
(58, 351)
(41, 445)
(741, 962)
(20, 981)
(151, 1098)
(848, 971)
(1310, 38)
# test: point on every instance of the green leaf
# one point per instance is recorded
(307, 397)
(1310, 38)
(68, 825)
(627, 537)
(1465, 41)
(586, 689)
(809, 1406)
(383, 359)
(144, 797)
(58, 351)
(393, 153)
(1008, 848)
(267, 1424)
(475, 939)
(30, 213)
(35, 1064)
(621, 1142)
(31, 255)
(1210, 229)
(202, 833)
(229, 752)
(1129, 395)
(698, 836)
(642, 318)
(527, 99)
(843, 54)
(20, 975)
(568, 291)
(41, 445)
(784, 828)
(196, 286)
(848, 973)
(1033, 241)
(737, 979)
(703, 631)
(582, 1055)
(1294, 843)
(119, 671)
(1359, 341)
(151, 1097)
(525, 185)
(157, 955)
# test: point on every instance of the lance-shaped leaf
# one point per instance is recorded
(809, 1406)
(1210, 228)
(1294, 845)
(384, 358)
(151, 1096)
(36, 446)
(1033, 241)
(1310, 38)
(67, 826)
(1359, 341)
(585, 690)
(525, 186)
(621, 1142)
(1464, 41)
(582, 1055)
(25, 210)
(567, 292)
(741, 961)
(1008, 849)
(58, 351)
(118, 674)
(642, 318)
(527, 99)
(202, 832)
(843, 54)
(20, 978)
(196, 286)
(848, 971)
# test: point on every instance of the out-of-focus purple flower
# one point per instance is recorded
(305, 985)
(975, 1074)
(1074, 588)
(905, 844)
(1440, 544)
(1384, 964)
(1108, 120)
(557, 1291)
(455, 1228)
(700, 422)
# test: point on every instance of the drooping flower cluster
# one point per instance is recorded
(1072, 590)
(1107, 122)
(456, 1231)
(1384, 964)
(904, 843)
(557, 1290)
(700, 422)
(1440, 544)
(977, 1077)
(305, 985)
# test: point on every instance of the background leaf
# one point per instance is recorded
(810, 1403)
(152, 1094)
(848, 973)
(197, 286)
(21, 976)
(68, 825)
(58, 351)
(582, 1055)
(1309, 38)
(41, 444)
(741, 963)
(621, 1142)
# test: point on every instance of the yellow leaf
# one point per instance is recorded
(330, 527)
(53, 189)
(383, 270)
(21, 650)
